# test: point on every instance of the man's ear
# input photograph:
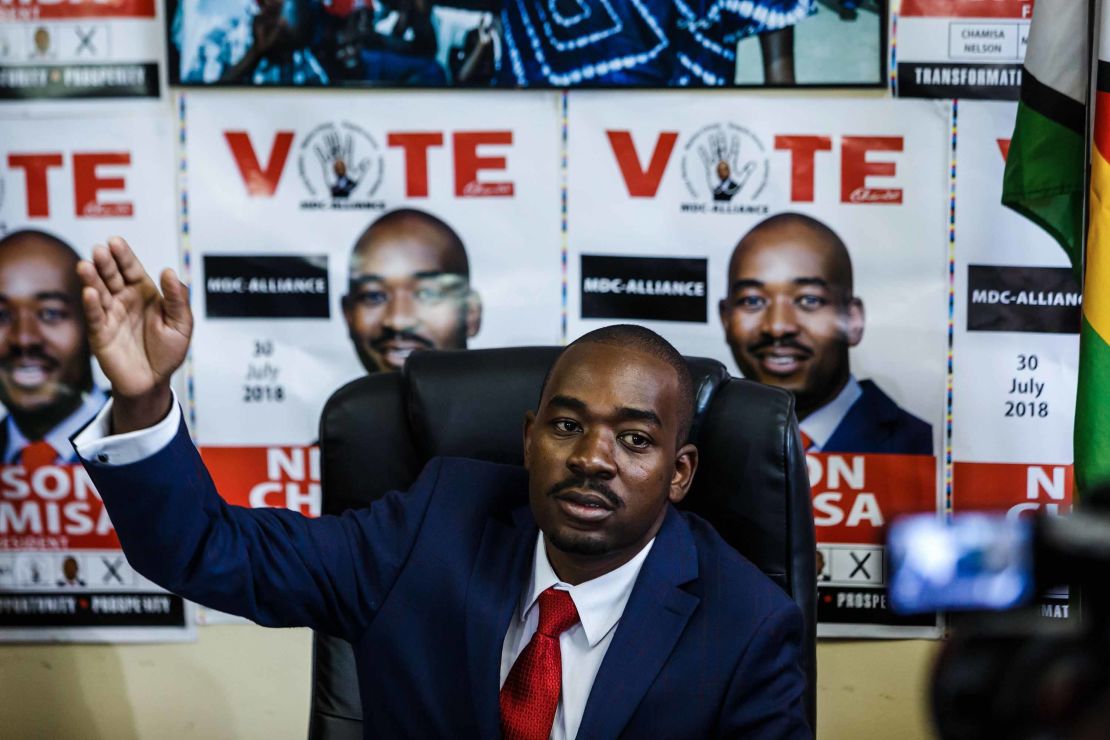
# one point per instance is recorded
(529, 423)
(685, 465)
(722, 311)
(854, 327)
(473, 313)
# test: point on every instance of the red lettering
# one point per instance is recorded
(641, 182)
(855, 169)
(468, 164)
(260, 182)
(1004, 147)
(415, 145)
(803, 151)
(34, 168)
(87, 184)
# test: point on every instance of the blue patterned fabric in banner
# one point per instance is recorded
(657, 43)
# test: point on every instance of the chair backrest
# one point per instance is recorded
(377, 432)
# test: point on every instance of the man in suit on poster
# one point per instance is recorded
(46, 381)
(790, 317)
(573, 583)
(409, 289)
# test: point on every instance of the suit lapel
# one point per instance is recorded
(653, 620)
(496, 583)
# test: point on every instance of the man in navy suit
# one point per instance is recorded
(790, 317)
(568, 598)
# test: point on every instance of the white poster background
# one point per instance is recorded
(143, 184)
(986, 363)
(899, 252)
(513, 243)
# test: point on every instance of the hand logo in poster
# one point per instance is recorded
(139, 335)
(334, 156)
(724, 177)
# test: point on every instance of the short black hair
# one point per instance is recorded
(401, 218)
(15, 237)
(640, 339)
(824, 233)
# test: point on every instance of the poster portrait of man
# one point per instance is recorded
(46, 380)
(790, 317)
(408, 290)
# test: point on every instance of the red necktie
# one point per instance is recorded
(807, 443)
(530, 695)
(37, 454)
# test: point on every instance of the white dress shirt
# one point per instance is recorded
(58, 437)
(820, 425)
(600, 602)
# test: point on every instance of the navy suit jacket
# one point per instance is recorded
(876, 424)
(423, 585)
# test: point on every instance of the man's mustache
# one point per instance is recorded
(404, 335)
(33, 352)
(778, 343)
(589, 484)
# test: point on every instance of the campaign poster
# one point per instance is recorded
(80, 49)
(960, 48)
(1015, 344)
(520, 44)
(805, 252)
(332, 235)
(66, 185)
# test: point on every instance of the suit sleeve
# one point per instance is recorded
(273, 566)
(766, 697)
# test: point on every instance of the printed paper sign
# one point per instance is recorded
(806, 254)
(961, 48)
(64, 186)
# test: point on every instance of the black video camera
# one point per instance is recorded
(1011, 666)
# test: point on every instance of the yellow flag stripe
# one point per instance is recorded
(1096, 301)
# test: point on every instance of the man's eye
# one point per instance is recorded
(750, 302)
(432, 294)
(636, 440)
(372, 297)
(811, 302)
(52, 315)
(566, 426)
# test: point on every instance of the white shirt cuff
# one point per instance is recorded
(96, 441)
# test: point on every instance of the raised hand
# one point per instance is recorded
(139, 335)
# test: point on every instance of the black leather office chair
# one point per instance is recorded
(377, 432)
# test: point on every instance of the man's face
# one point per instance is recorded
(403, 299)
(44, 355)
(789, 318)
(602, 452)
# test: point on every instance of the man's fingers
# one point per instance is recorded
(128, 263)
(94, 311)
(90, 276)
(108, 270)
(176, 312)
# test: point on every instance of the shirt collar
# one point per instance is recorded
(58, 437)
(820, 425)
(600, 602)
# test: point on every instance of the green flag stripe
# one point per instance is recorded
(1053, 104)
(1044, 178)
(1092, 411)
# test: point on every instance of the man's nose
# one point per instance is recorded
(780, 319)
(592, 456)
(401, 311)
(26, 332)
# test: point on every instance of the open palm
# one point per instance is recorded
(138, 334)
